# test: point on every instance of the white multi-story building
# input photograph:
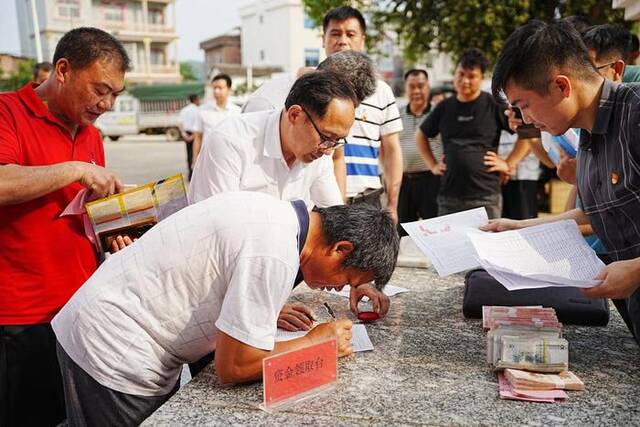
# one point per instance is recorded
(631, 8)
(278, 33)
(146, 28)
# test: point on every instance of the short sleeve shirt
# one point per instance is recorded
(468, 130)
(376, 116)
(412, 161)
(44, 257)
(210, 115)
(226, 264)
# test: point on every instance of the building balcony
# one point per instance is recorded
(139, 31)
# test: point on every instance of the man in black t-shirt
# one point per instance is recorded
(469, 124)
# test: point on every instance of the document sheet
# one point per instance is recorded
(445, 239)
(360, 340)
(553, 254)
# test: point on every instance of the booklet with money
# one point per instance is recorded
(135, 211)
(553, 254)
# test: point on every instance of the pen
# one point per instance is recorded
(329, 310)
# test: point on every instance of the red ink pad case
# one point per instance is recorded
(368, 316)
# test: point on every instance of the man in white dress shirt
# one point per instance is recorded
(213, 112)
(188, 122)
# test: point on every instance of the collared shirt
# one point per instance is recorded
(271, 95)
(376, 116)
(244, 153)
(210, 114)
(44, 257)
(226, 264)
(609, 170)
(411, 158)
(189, 117)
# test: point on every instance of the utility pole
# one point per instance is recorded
(36, 30)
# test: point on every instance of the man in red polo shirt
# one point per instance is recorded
(49, 151)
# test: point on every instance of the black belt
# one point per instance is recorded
(415, 175)
(368, 194)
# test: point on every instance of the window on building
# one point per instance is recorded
(156, 16)
(308, 22)
(158, 56)
(262, 55)
(113, 11)
(68, 8)
(311, 57)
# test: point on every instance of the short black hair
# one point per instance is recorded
(416, 72)
(635, 43)
(579, 22)
(314, 92)
(85, 45)
(193, 97)
(608, 41)
(224, 77)
(532, 51)
(41, 66)
(473, 58)
(343, 13)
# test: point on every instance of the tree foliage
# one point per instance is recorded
(452, 26)
(19, 78)
(187, 73)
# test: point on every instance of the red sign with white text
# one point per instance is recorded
(299, 373)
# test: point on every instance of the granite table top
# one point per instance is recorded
(428, 368)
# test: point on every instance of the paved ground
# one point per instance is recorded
(141, 159)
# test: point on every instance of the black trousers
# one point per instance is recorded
(520, 199)
(189, 146)
(31, 392)
(418, 198)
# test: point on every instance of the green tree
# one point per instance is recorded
(187, 73)
(22, 76)
(452, 26)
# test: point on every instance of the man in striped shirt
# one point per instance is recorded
(545, 70)
(373, 139)
(420, 187)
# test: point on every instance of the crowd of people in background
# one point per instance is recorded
(104, 344)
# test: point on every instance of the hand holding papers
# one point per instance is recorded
(540, 256)
(552, 254)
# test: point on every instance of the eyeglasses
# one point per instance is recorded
(600, 67)
(325, 142)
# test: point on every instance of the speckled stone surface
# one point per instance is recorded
(428, 367)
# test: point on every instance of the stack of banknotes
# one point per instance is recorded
(528, 338)
(526, 348)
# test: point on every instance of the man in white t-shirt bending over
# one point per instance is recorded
(211, 277)
(285, 153)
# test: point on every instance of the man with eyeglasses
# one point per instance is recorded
(274, 151)
(282, 153)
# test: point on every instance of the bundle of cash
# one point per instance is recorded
(538, 316)
(508, 391)
(528, 338)
(522, 380)
(538, 354)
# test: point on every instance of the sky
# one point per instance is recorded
(197, 20)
